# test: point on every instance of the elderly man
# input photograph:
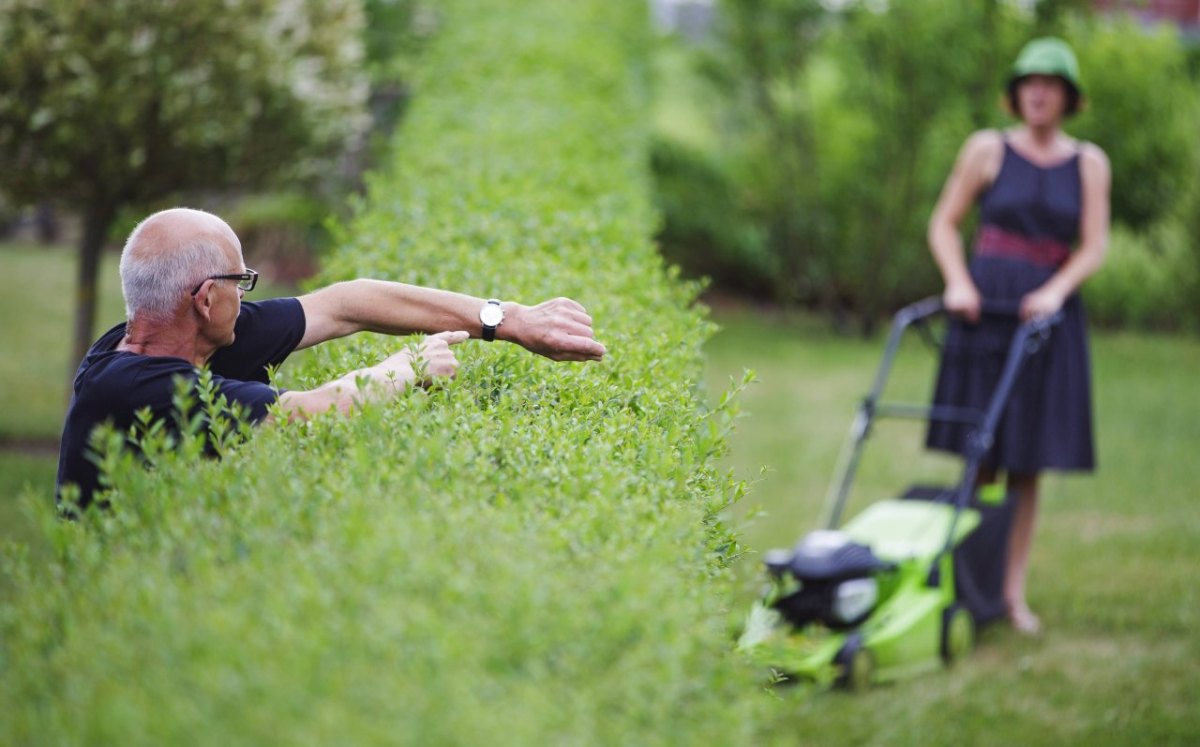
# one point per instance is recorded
(183, 279)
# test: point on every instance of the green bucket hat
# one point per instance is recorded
(1047, 56)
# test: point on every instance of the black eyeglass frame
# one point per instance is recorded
(246, 280)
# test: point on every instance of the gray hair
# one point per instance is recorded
(153, 281)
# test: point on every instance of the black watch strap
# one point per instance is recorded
(488, 332)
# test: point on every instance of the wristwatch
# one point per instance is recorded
(491, 316)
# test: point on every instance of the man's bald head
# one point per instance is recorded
(170, 252)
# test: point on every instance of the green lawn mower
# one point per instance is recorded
(901, 587)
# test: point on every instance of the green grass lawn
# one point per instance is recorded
(1113, 568)
(37, 297)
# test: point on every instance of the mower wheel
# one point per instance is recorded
(856, 664)
(958, 633)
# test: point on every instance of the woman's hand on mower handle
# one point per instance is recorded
(962, 299)
(1041, 304)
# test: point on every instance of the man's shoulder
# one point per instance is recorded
(121, 379)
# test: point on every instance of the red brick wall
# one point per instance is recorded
(1182, 12)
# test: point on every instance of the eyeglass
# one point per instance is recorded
(246, 280)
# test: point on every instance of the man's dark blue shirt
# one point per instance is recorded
(112, 385)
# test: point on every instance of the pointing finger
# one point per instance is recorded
(451, 338)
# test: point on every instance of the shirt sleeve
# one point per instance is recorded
(254, 396)
(265, 334)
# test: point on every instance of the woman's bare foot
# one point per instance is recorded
(1023, 620)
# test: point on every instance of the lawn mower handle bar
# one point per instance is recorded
(933, 306)
(1028, 338)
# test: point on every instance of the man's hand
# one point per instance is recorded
(559, 329)
(431, 360)
(423, 365)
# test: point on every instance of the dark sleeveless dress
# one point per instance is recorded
(1029, 221)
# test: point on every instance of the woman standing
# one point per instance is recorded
(1041, 194)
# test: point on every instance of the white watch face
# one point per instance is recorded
(491, 315)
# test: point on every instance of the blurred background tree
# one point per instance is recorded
(106, 106)
(830, 126)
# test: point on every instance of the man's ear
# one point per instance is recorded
(202, 301)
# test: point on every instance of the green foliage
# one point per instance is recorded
(530, 555)
(1152, 275)
(1149, 280)
(840, 130)
(18, 473)
(395, 32)
(1142, 109)
(123, 101)
(696, 195)
(885, 132)
(837, 130)
(281, 232)
(771, 155)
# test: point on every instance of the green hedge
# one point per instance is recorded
(527, 556)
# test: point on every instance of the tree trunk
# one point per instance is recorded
(96, 222)
(46, 220)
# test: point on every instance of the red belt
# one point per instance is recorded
(993, 241)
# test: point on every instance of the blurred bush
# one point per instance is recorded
(832, 132)
(282, 233)
(703, 231)
(1144, 110)
(891, 103)
(1150, 280)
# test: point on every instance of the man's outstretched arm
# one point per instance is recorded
(559, 329)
